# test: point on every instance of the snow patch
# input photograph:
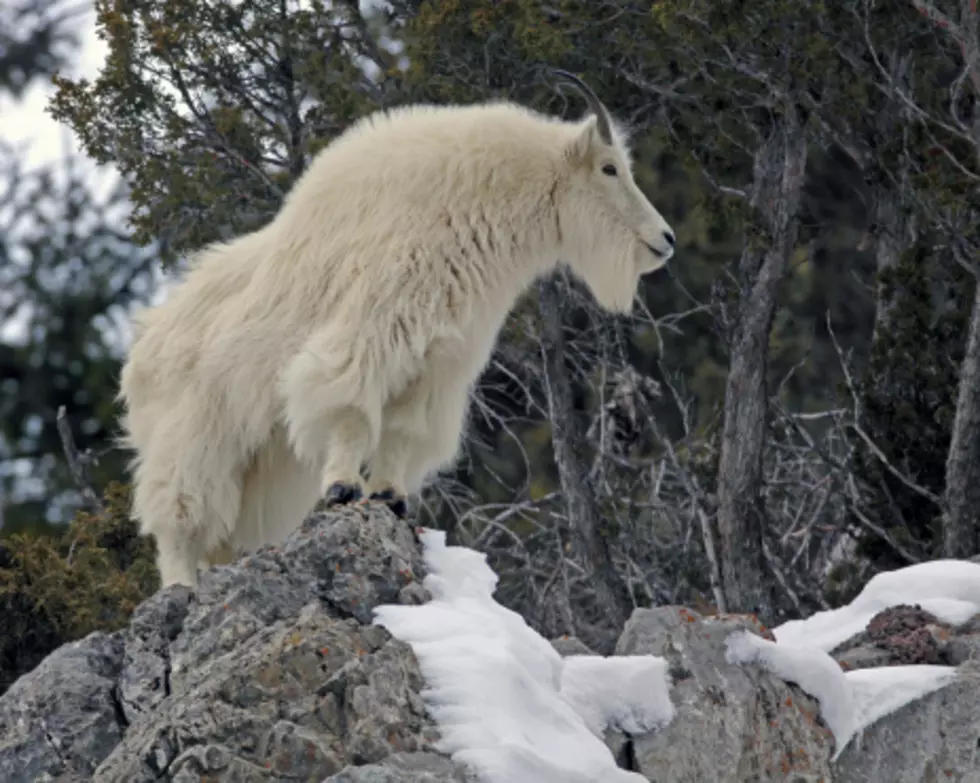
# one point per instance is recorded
(849, 701)
(948, 589)
(852, 701)
(506, 703)
(628, 692)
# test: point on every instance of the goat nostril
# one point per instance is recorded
(671, 239)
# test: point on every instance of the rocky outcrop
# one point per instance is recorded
(272, 671)
(935, 738)
(733, 723)
(739, 723)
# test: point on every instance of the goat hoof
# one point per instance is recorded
(392, 500)
(341, 493)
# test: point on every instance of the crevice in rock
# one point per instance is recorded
(623, 750)
(165, 654)
(53, 742)
(117, 707)
(334, 609)
(630, 761)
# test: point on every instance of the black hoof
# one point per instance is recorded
(392, 500)
(340, 493)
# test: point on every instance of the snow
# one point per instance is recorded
(626, 691)
(849, 701)
(506, 703)
(513, 710)
(852, 701)
(948, 589)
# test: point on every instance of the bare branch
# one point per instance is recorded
(78, 463)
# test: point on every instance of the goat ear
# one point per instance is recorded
(586, 141)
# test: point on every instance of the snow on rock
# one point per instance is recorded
(849, 701)
(813, 670)
(948, 589)
(627, 692)
(506, 703)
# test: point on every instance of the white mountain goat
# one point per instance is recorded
(348, 331)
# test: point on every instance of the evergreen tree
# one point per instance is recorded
(68, 272)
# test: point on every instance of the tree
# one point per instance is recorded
(68, 273)
(229, 98)
(66, 270)
(960, 26)
(58, 588)
(920, 59)
(36, 39)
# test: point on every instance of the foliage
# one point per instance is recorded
(68, 274)
(55, 589)
(199, 99)
(909, 399)
(36, 39)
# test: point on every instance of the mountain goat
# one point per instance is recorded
(345, 335)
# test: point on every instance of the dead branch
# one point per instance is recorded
(78, 463)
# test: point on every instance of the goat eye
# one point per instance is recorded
(609, 170)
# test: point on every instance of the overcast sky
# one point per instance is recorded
(26, 120)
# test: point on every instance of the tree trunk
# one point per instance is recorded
(893, 222)
(961, 521)
(894, 232)
(568, 438)
(778, 178)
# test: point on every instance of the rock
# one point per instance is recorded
(936, 738)
(739, 723)
(145, 678)
(570, 645)
(908, 635)
(732, 723)
(898, 636)
(965, 644)
(401, 767)
(270, 670)
(63, 718)
(933, 738)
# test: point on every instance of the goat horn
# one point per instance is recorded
(595, 104)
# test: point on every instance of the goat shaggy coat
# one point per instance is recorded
(349, 330)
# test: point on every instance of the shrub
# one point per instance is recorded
(56, 589)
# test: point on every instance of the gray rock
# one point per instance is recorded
(936, 738)
(965, 644)
(739, 723)
(933, 738)
(60, 720)
(145, 678)
(898, 636)
(570, 645)
(270, 670)
(862, 656)
(732, 723)
(402, 767)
